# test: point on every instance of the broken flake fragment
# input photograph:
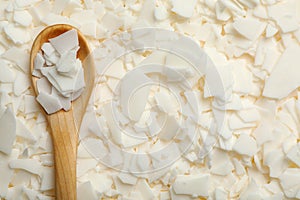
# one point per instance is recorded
(245, 145)
(21, 84)
(86, 191)
(160, 13)
(30, 165)
(294, 154)
(65, 42)
(249, 115)
(184, 9)
(43, 85)
(271, 31)
(101, 182)
(48, 49)
(285, 15)
(242, 25)
(50, 103)
(220, 163)
(134, 94)
(194, 185)
(67, 63)
(6, 75)
(127, 178)
(17, 34)
(23, 58)
(8, 131)
(39, 61)
(47, 176)
(22, 17)
(170, 129)
(145, 189)
(6, 171)
(290, 182)
(284, 78)
(23, 131)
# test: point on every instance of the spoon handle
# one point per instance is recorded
(64, 138)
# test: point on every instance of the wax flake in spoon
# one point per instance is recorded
(60, 72)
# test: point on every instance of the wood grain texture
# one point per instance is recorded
(64, 125)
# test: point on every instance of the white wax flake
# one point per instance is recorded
(233, 6)
(6, 171)
(127, 178)
(59, 6)
(184, 9)
(50, 103)
(84, 165)
(7, 75)
(271, 30)
(39, 61)
(17, 34)
(8, 131)
(67, 63)
(236, 122)
(23, 58)
(242, 78)
(21, 84)
(294, 154)
(261, 12)
(47, 160)
(239, 168)
(160, 13)
(30, 193)
(89, 29)
(242, 25)
(252, 191)
(145, 189)
(286, 22)
(220, 163)
(95, 147)
(64, 101)
(194, 185)
(47, 177)
(218, 82)
(43, 85)
(222, 13)
(115, 70)
(23, 18)
(64, 84)
(134, 94)
(24, 132)
(220, 193)
(165, 101)
(101, 182)
(283, 79)
(30, 165)
(164, 195)
(170, 129)
(290, 182)
(31, 105)
(245, 145)
(111, 22)
(39, 11)
(65, 42)
(47, 48)
(177, 63)
(249, 115)
(86, 191)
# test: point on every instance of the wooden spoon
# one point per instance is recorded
(64, 125)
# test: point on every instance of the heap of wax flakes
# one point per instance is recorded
(212, 112)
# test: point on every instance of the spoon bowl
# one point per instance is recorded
(64, 125)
